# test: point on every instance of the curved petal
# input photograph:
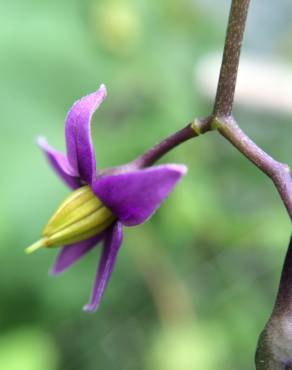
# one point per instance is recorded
(80, 149)
(133, 197)
(72, 253)
(110, 250)
(60, 164)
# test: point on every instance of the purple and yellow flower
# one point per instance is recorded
(102, 201)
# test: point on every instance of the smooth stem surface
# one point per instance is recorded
(194, 129)
(229, 67)
(278, 172)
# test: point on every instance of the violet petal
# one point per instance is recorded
(73, 252)
(80, 149)
(133, 197)
(110, 250)
(60, 164)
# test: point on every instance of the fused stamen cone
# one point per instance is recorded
(79, 203)
(88, 225)
(81, 216)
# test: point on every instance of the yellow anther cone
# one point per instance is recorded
(81, 216)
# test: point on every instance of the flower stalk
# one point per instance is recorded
(198, 127)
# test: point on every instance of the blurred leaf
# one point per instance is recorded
(27, 349)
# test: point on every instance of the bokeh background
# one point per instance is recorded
(194, 286)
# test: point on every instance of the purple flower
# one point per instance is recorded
(129, 194)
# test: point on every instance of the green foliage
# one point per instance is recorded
(27, 349)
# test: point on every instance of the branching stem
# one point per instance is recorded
(276, 337)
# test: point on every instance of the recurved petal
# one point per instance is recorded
(80, 149)
(133, 197)
(73, 252)
(112, 244)
(60, 164)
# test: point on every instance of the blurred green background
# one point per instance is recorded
(194, 286)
